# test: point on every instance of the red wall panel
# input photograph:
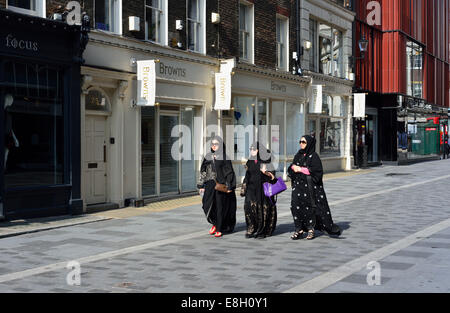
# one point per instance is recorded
(384, 67)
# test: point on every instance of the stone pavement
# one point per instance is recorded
(170, 251)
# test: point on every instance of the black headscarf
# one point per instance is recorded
(309, 158)
(221, 151)
(310, 146)
(263, 154)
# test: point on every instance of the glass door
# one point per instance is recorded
(168, 167)
(188, 172)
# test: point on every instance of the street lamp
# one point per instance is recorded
(363, 43)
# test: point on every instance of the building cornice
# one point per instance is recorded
(256, 70)
(334, 8)
(114, 40)
(330, 79)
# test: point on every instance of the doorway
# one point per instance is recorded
(94, 167)
(168, 164)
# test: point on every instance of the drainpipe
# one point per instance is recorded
(299, 70)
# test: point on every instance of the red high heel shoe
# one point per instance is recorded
(218, 234)
(212, 231)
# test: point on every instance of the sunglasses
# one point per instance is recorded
(215, 144)
(303, 141)
(253, 149)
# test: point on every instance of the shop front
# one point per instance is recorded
(421, 130)
(40, 145)
(146, 153)
(269, 107)
(330, 123)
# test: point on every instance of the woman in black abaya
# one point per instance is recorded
(309, 205)
(219, 207)
(260, 211)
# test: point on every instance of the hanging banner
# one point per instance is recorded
(359, 105)
(315, 105)
(146, 87)
(223, 91)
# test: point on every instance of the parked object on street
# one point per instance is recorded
(309, 205)
(219, 206)
(260, 210)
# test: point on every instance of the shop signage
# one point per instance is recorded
(21, 44)
(275, 87)
(146, 77)
(359, 105)
(223, 91)
(315, 105)
(169, 70)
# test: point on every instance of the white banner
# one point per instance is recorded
(315, 105)
(223, 91)
(359, 105)
(146, 87)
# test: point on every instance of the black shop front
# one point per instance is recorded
(40, 63)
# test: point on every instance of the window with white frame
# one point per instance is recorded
(31, 7)
(282, 43)
(108, 15)
(246, 31)
(196, 18)
(327, 51)
(156, 21)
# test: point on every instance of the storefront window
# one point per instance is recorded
(244, 122)
(418, 135)
(295, 120)
(148, 158)
(277, 132)
(331, 137)
(34, 125)
(263, 131)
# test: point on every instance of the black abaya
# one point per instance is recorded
(309, 205)
(260, 211)
(219, 207)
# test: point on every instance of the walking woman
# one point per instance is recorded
(260, 211)
(219, 206)
(309, 205)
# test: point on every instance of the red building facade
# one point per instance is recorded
(405, 73)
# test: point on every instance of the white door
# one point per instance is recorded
(95, 160)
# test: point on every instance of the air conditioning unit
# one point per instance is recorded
(179, 25)
(215, 18)
(134, 24)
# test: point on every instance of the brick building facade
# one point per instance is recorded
(125, 149)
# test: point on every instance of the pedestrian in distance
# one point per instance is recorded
(309, 205)
(217, 184)
(260, 210)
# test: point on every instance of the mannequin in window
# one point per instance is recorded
(10, 138)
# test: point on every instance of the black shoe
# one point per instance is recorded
(260, 236)
(249, 235)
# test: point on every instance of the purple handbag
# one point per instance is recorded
(271, 190)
